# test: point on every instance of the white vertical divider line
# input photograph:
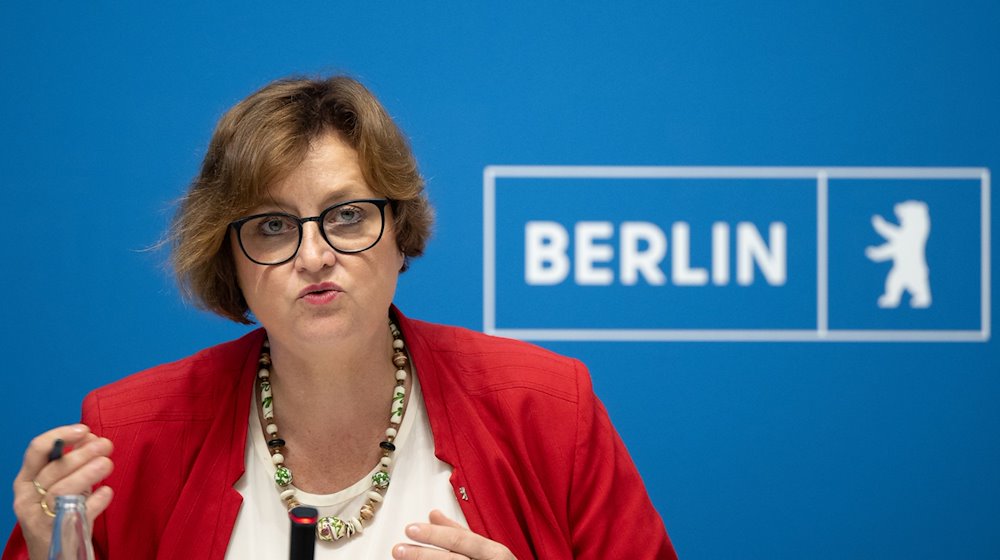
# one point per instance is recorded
(822, 299)
(489, 250)
(984, 194)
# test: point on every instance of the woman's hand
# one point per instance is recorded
(457, 542)
(40, 481)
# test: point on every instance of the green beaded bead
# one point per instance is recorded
(282, 476)
(331, 529)
(338, 528)
(381, 479)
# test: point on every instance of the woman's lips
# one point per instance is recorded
(319, 294)
(319, 298)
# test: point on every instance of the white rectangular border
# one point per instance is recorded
(821, 175)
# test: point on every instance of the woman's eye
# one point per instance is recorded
(347, 215)
(273, 226)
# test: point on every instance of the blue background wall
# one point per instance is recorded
(772, 450)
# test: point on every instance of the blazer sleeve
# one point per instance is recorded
(91, 416)
(611, 515)
(16, 548)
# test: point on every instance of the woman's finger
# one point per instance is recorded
(36, 456)
(417, 552)
(98, 502)
(438, 517)
(82, 479)
(456, 542)
(84, 453)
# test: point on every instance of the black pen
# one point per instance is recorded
(57, 450)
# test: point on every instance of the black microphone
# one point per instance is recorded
(303, 542)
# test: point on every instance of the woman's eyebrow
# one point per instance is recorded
(339, 194)
(342, 194)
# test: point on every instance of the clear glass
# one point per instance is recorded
(71, 531)
(349, 227)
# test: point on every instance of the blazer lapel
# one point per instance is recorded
(431, 374)
(203, 519)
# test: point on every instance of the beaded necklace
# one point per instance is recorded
(332, 528)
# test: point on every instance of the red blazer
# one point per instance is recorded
(537, 463)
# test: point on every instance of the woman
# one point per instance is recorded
(413, 440)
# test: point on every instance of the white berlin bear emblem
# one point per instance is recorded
(906, 246)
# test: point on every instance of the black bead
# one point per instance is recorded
(276, 442)
(388, 446)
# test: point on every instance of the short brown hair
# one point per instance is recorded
(261, 140)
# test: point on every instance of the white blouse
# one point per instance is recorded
(420, 483)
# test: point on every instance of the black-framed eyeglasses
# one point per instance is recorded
(348, 227)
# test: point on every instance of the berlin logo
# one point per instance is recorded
(756, 254)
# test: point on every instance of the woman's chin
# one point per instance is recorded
(327, 331)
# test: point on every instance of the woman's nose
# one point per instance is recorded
(314, 252)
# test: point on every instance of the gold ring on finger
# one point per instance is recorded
(45, 508)
(40, 489)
